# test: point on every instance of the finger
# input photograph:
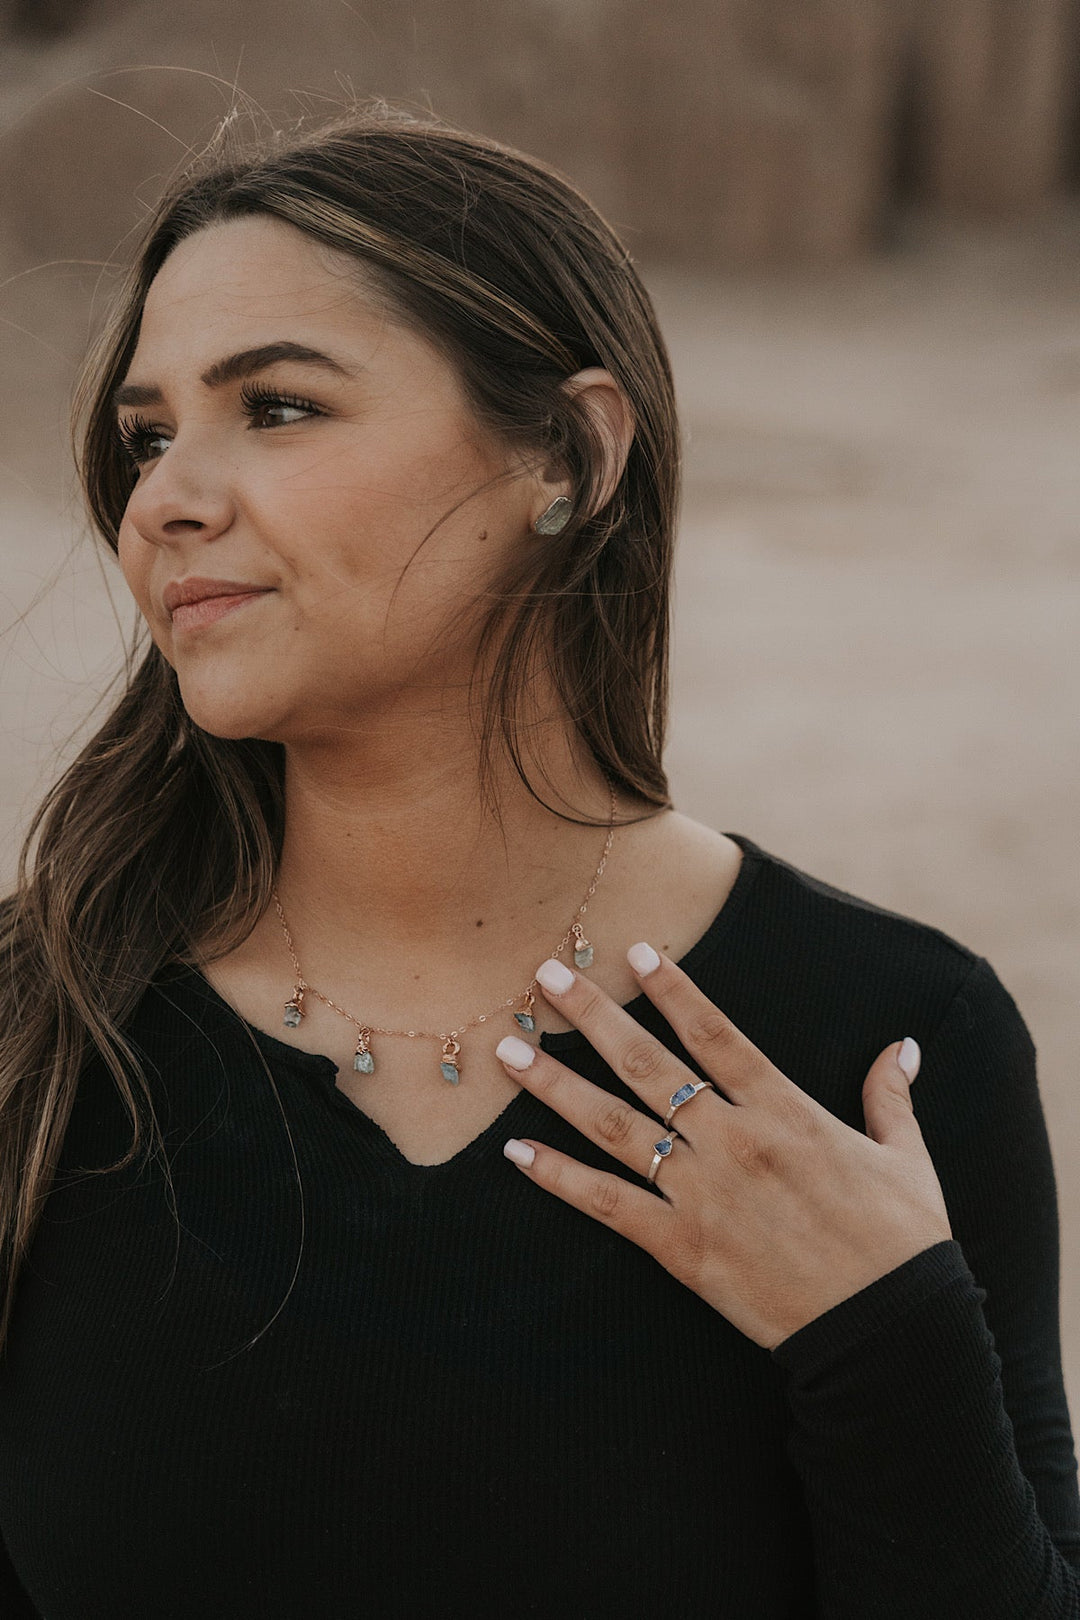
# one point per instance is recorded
(730, 1058)
(638, 1215)
(886, 1098)
(620, 1129)
(645, 1064)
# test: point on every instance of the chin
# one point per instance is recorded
(226, 718)
(236, 730)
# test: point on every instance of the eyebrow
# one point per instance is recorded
(234, 367)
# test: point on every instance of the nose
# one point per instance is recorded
(184, 491)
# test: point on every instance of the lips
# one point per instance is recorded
(209, 609)
(183, 592)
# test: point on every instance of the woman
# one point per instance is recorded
(341, 1302)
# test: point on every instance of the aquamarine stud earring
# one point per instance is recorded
(557, 516)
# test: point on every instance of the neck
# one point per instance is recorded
(391, 851)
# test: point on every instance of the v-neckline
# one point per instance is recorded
(571, 1042)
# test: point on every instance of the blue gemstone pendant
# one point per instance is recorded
(583, 951)
(294, 1009)
(525, 1017)
(448, 1066)
(363, 1062)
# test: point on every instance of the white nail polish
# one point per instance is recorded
(642, 958)
(554, 976)
(909, 1057)
(519, 1054)
(520, 1152)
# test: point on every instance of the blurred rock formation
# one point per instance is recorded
(714, 132)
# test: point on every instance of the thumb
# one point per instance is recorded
(887, 1092)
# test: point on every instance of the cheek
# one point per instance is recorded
(422, 525)
(136, 560)
(134, 557)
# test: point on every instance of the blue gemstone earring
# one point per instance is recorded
(557, 516)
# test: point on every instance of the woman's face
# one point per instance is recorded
(322, 504)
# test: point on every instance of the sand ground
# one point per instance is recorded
(877, 604)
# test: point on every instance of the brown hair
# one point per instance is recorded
(160, 842)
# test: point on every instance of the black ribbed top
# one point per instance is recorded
(326, 1382)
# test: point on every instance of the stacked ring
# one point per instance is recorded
(684, 1094)
(663, 1148)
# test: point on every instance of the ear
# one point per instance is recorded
(596, 392)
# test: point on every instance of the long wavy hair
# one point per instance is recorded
(160, 842)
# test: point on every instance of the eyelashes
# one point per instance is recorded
(135, 435)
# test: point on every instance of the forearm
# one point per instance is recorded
(906, 1453)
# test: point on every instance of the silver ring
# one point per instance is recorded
(684, 1094)
(663, 1148)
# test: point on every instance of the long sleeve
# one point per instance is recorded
(14, 1603)
(930, 1425)
(298, 1374)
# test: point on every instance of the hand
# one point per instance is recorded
(771, 1208)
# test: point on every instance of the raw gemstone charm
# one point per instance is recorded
(525, 1016)
(363, 1062)
(449, 1068)
(583, 951)
(292, 1015)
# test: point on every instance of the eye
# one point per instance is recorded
(135, 436)
(258, 399)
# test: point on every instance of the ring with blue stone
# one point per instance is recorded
(684, 1094)
(663, 1148)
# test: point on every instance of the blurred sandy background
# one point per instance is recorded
(860, 222)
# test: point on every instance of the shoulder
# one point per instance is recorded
(823, 978)
(811, 918)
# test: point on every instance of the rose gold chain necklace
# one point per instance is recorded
(363, 1059)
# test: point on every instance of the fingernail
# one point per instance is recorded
(909, 1057)
(520, 1152)
(519, 1054)
(554, 976)
(642, 958)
